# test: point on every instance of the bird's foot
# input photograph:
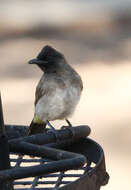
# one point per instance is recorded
(69, 127)
(52, 130)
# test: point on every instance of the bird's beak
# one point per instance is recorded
(36, 61)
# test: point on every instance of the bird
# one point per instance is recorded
(58, 91)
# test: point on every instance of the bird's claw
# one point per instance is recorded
(64, 127)
(69, 127)
(52, 130)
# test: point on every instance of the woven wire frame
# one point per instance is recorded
(44, 182)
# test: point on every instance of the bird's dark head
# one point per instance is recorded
(47, 58)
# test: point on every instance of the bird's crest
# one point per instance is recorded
(48, 52)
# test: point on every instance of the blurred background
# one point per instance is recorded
(95, 37)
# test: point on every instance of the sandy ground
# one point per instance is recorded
(105, 105)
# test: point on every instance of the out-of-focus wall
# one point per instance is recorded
(95, 37)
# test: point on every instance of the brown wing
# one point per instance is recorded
(47, 85)
(81, 84)
(39, 91)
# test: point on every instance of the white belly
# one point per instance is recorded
(59, 105)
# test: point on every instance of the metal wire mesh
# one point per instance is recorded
(44, 182)
(52, 168)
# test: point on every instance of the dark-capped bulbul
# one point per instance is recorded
(58, 90)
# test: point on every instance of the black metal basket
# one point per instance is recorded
(68, 161)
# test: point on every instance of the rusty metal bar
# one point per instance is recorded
(92, 178)
(4, 152)
(49, 137)
(35, 189)
(66, 161)
(2, 127)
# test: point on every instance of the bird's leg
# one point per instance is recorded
(70, 127)
(52, 129)
(49, 124)
(69, 123)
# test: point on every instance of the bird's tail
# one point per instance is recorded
(35, 128)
